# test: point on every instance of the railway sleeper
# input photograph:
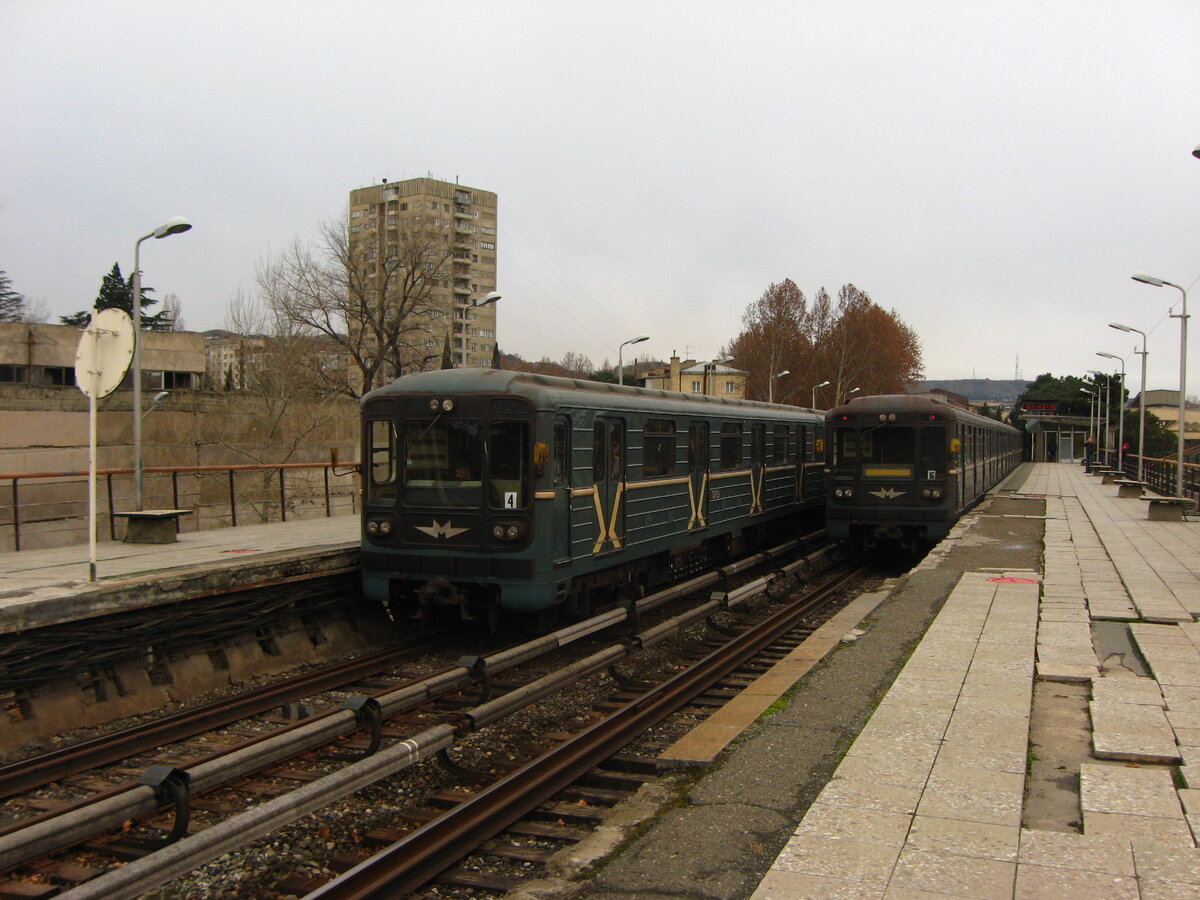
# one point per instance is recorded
(515, 852)
(548, 831)
(468, 878)
(569, 813)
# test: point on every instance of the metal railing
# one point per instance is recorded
(53, 506)
(1159, 474)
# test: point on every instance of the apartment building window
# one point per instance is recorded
(730, 387)
(403, 207)
(432, 204)
(487, 245)
(696, 386)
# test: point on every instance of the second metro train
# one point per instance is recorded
(902, 468)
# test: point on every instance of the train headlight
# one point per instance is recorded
(372, 528)
(512, 532)
(498, 532)
(385, 528)
(508, 531)
(447, 405)
(936, 493)
(434, 406)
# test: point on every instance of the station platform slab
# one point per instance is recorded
(48, 587)
(934, 798)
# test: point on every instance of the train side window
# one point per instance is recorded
(658, 448)
(562, 451)
(382, 461)
(779, 447)
(933, 453)
(731, 445)
(599, 453)
(616, 437)
(697, 449)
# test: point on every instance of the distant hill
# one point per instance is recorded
(979, 389)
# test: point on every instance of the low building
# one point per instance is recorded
(44, 355)
(692, 377)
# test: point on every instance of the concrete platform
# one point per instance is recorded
(47, 587)
(943, 816)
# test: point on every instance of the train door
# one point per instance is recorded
(800, 458)
(960, 435)
(698, 475)
(608, 476)
(758, 467)
(561, 476)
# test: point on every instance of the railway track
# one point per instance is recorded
(66, 828)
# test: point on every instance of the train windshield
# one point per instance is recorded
(878, 452)
(443, 463)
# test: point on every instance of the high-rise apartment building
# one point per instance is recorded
(449, 216)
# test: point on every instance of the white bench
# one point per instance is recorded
(152, 526)
(1129, 488)
(1169, 509)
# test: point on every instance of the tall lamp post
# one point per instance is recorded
(849, 392)
(814, 393)
(1121, 414)
(620, 366)
(771, 384)
(1141, 394)
(486, 300)
(1091, 412)
(176, 225)
(1182, 317)
(1102, 438)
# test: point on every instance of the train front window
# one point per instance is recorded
(382, 462)
(508, 461)
(890, 453)
(933, 453)
(443, 463)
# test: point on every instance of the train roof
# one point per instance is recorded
(554, 391)
(913, 403)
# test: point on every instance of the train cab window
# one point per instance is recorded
(508, 462)
(779, 445)
(562, 452)
(845, 451)
(892, 452)
(731, 445)
(932, 462)
(382, 450)
(443, 463)
(658, 448)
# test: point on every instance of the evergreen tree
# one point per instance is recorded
(447, 359)
(12, 304)
(496, 357)
(117, 293)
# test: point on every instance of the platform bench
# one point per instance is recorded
(152, 526)
(1169, 509)
(1108, 476)
(1129, 488)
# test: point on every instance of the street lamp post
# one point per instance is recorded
(486, 300)
(1121, 414)
(1102, 438)
(771, 384)
(173, 226)
(849, 392)
(620, 366)
(1182, 317)
(1091, 412)
(1141, 395)
(814, 393)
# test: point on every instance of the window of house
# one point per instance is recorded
(730, 387)
(696, 386)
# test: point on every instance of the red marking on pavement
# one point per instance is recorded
(1008, 579)
(248, 550)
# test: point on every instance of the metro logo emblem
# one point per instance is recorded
(439, 530)
(887, 493)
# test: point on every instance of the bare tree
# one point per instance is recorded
(577, 365)
(173, 312)
(377, 299)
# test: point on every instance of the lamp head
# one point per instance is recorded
(781, 374)
(1147, 279)
(638, 339)
(174, 226)
(490, 297)
(1107, 355)
(1119, 326)
(822, 384)
(1196, 152)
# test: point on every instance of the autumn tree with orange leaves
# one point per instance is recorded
(854, 343)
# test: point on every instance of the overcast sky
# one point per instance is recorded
(992, 171)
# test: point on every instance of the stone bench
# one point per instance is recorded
(1128, 488)
(152, 526)
(1169, 509)
(1108, 476)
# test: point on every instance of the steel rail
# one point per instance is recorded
(56, 764)
(412, 862)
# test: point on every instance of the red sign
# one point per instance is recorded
(1039, 406)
